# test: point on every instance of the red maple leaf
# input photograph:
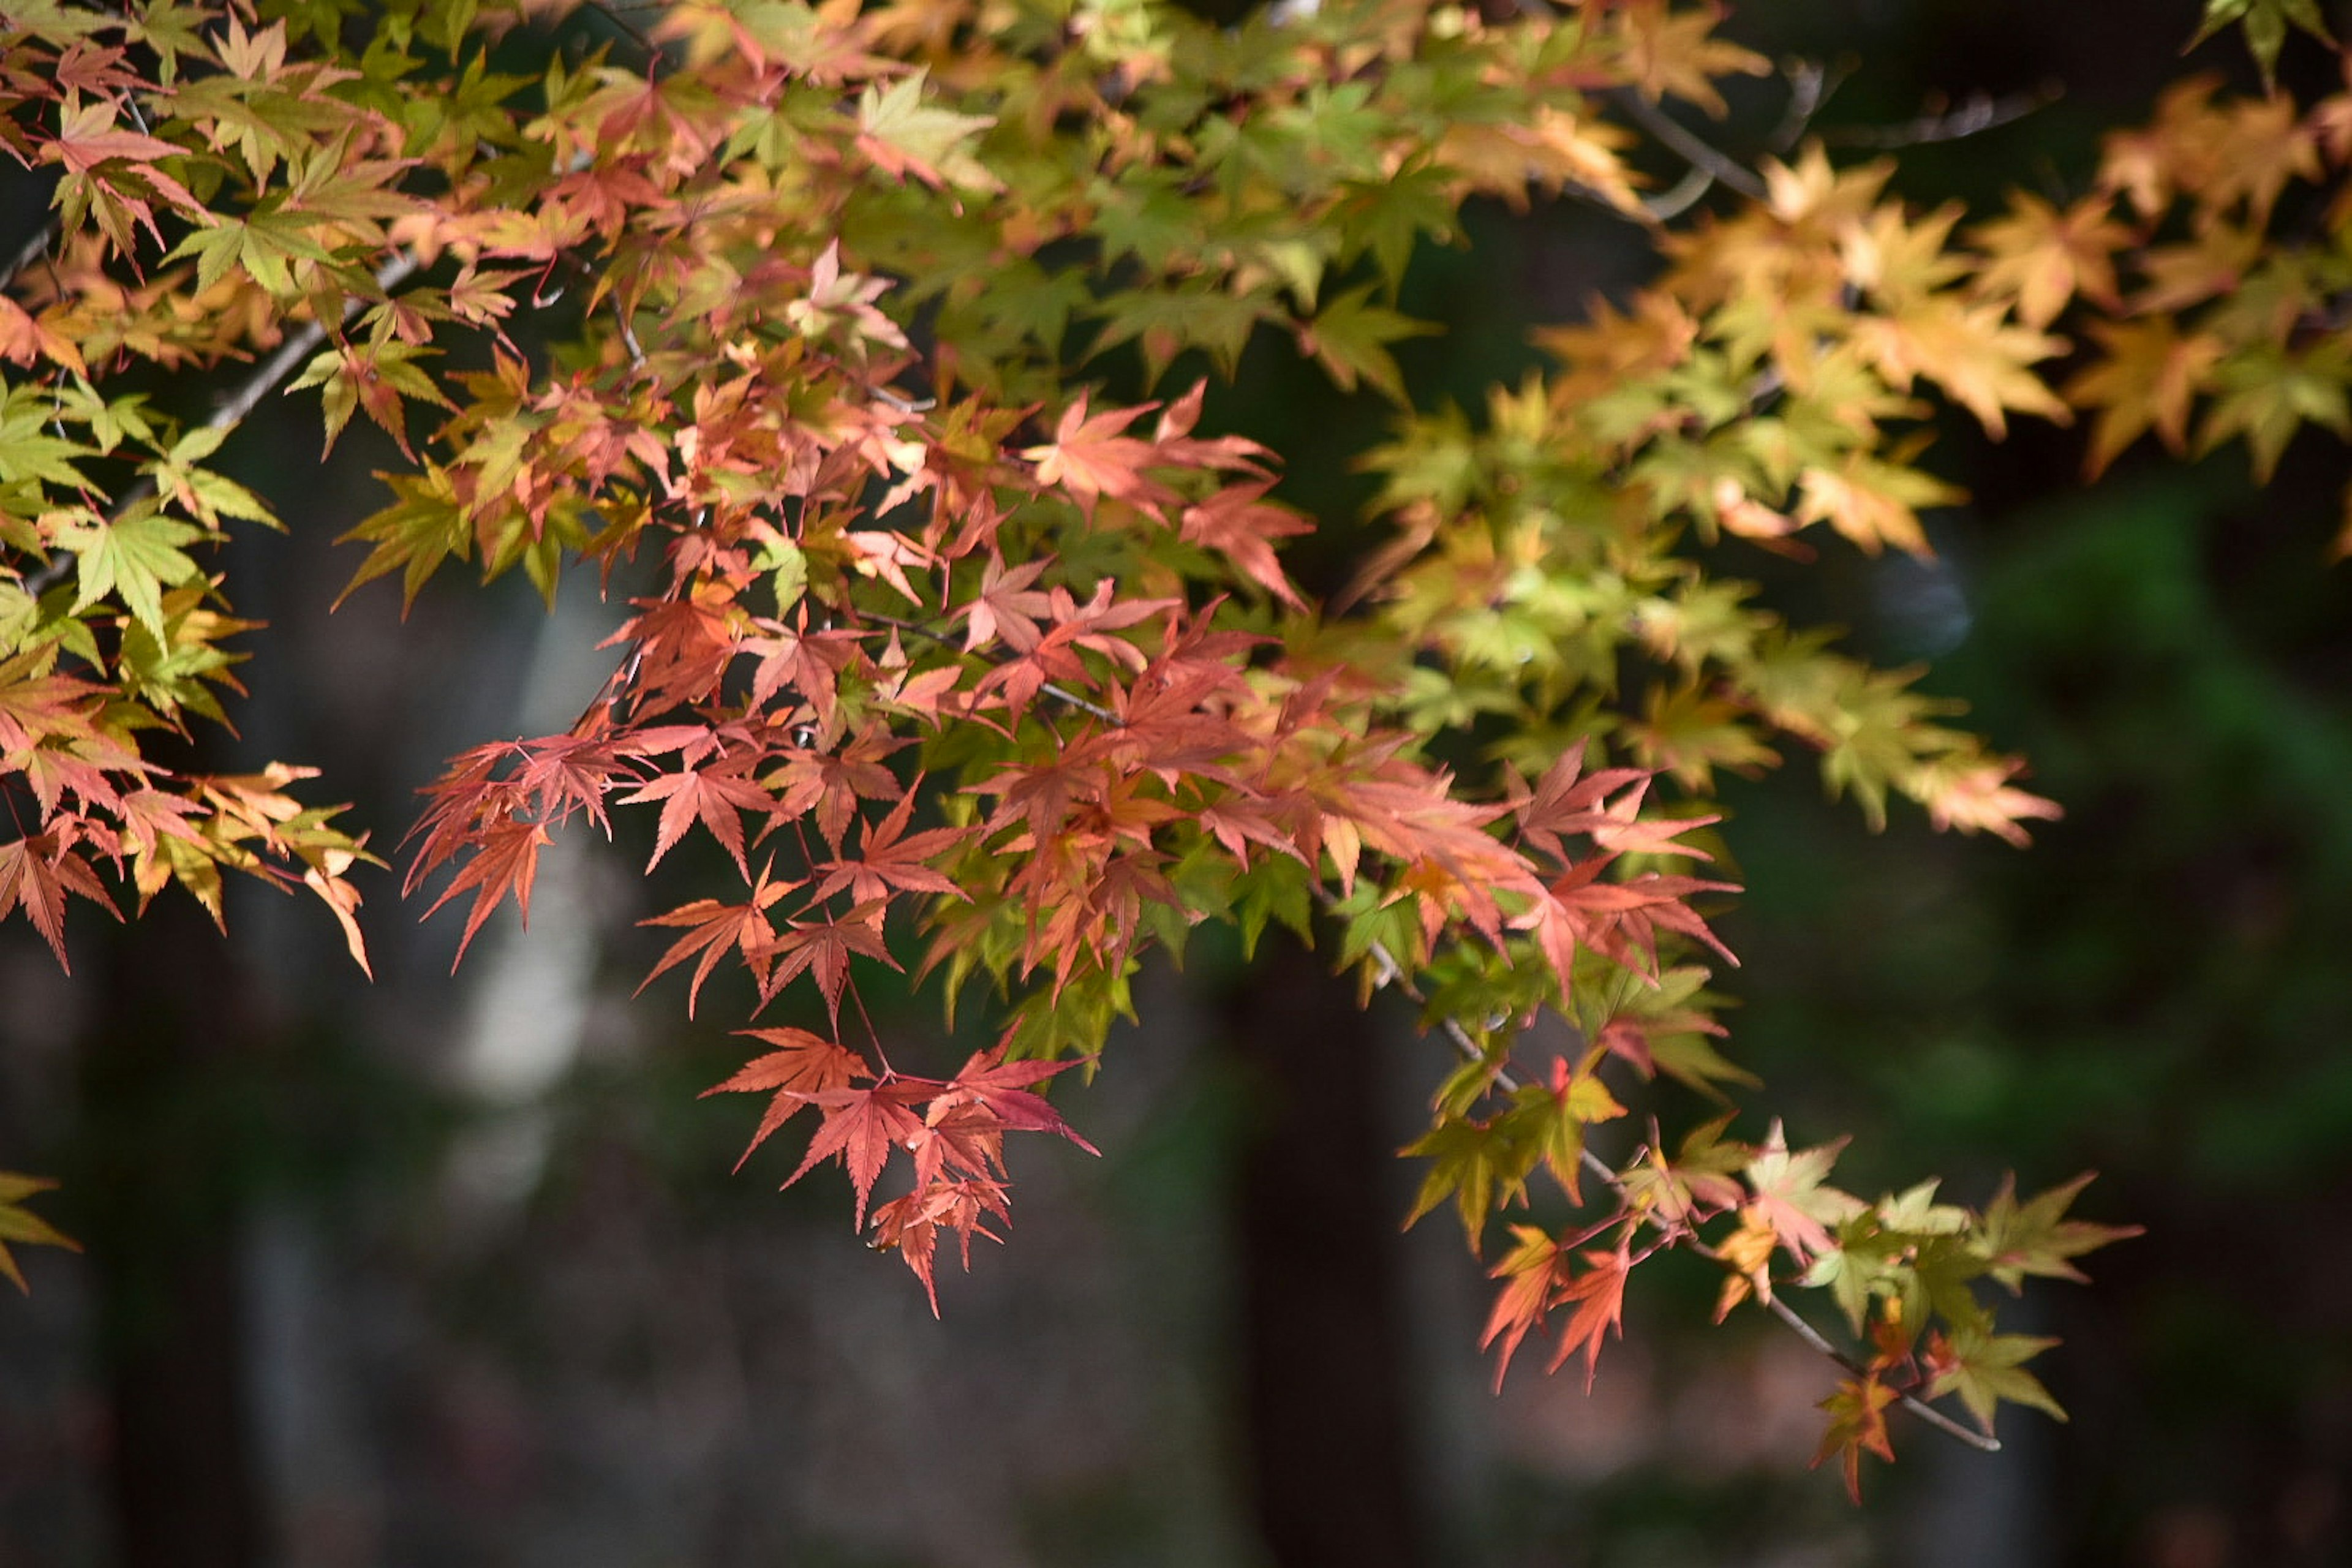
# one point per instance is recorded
(1005, 1089)
(1599, 1296)
(1089, 459)
(36, 874)
(1006, 606)
(912, 1223)
(889, 858)
(1857, 1412)
(800, 1065)
(1569, 801)
(715, 928)
(506, 860)
(711, 796)
(1240, 524)
(823, 947)
(1534, 1269)
(862, 1126)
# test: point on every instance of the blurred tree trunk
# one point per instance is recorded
(162, 1240)
(1326, 1378)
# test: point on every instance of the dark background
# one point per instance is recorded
(453, 1272)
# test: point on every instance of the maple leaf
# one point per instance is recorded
(1241, 525)
(1968, 350)
(2149, 379)
(2035, 1238)
(1790, 1198)
(1480, 1164)
(862, 1126)
(36, 874)
(1350, 336)
(2266, 23)
(2044, 257)
(1006, 606)
(1873, 503)
(714, 927)
(889, 858)
(136, 557)
(1599, 1297)
(905, 135)
(21, 1226)
(1857, 1412)
(823, 947)
(1985, 1368)
(1748, 1254)
(711, 796)
(1978, 797)
(801, 1065)
(1534, 1268)
(910, 1224)
(505, 860)
(1089, 459)
(1004, 1089)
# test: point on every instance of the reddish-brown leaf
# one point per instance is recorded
(801, 1064)
(1857, 1412)
(714, 927)
(36, 874)
(862, 1126)
(1600, 1298)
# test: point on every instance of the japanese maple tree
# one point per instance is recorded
(970, 667)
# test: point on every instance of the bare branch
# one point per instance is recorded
(1693, 150)
(1972, 116)
(32, 250)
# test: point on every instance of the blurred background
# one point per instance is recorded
(451, 1272)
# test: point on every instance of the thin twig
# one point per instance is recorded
(1681, 197)
(635, 34)
(1693, 150)
(1977, 114)
(628, 334)
(32, 250)
(1810, 88)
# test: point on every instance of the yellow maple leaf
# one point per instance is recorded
(2041, 257)
(2150, 380)
(1676, 54)
(1977, 356)
(21, 1225)
(1873, 503)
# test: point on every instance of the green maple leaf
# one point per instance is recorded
(2266, 23)
(1477, 1165)
(135, 558)
(1985, 1368)
(1349, 336)
(2036, 1238)
(21, 1225)
(904, 135)
(421, 529)
(1389, 218)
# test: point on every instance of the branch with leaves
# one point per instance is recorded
(864, 331)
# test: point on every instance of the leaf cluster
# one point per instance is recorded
(967, 663)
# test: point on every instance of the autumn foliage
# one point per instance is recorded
(802, 326)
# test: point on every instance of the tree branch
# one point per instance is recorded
(1392, 974)
(1693, 150)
